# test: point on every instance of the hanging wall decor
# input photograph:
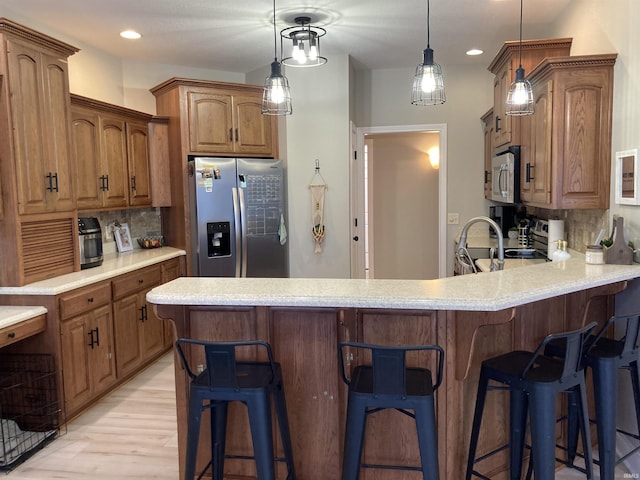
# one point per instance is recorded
(318, 188)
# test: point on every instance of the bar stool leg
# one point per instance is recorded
(193, 434)
(517, 428)
(260, 422)
(542, 406)
(606, 381)
(218, 436)
(483, 382)
(427, 439)
(634, 370)
(285, 434)
(585, 431)
(573, 419)
(354, 439)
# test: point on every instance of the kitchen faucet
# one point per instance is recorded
(462, 245)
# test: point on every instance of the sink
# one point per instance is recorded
(483, 263)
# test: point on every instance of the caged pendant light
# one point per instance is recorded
(520, 96)
(276, 96)
(428, 83)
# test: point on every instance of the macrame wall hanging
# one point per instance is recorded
(318, 188)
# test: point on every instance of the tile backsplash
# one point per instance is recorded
(141, 222)
(581, 227)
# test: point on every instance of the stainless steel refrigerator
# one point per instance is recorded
(237, 217)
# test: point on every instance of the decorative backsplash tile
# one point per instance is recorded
(581, 226)
(142, 222)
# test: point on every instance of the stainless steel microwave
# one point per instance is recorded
(505, 176)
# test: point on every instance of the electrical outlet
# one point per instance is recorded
(453, 218)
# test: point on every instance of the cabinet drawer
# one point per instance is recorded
(22, 330)
(84, 299)
(132, 282)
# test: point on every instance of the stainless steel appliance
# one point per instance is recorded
(90, 241)
(505, 176)
(236, 209)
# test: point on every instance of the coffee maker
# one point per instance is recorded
(506, 216)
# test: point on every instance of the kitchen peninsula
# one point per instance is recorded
(473, 317)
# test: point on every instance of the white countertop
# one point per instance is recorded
(12, 315)
(114, 264)
(483, 291)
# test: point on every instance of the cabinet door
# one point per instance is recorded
(252, 130)
(74, 336)
(56, 121)
(502, 82)
(89, 179)
(489, 131)
(210, 123)
(127, 318)
(151, 330)
(103, 364)
(114, 162)
(138, 161)
(538, 172)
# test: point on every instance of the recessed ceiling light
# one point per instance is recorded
(475, 51)
(130, 34)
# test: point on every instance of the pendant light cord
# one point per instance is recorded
(428, 36)
(520, 61)
(275, 35)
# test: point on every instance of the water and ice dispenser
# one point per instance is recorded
(219, 239)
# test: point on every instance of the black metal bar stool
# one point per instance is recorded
(388, 383)
(533, 381)
(226, 380)
(606, 356)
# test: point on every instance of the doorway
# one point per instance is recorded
(398, 202)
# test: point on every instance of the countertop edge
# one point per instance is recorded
(12, 315)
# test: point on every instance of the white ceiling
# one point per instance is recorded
(237, 35)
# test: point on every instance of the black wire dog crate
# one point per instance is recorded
(28, 406)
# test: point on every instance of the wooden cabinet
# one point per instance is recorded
(111, 155)
(139, 335)
(22, 330)
(566, 147)
(504, 66)
(171, 270)
(227, 122)
(87, 349)
(40, 113)
(488, 128)
(36, 173)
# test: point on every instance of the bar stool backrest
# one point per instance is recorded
(631, 336)
(574, 342)
(220, 358)
(389, 366)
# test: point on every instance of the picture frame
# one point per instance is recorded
(627, 176)
(123, 238)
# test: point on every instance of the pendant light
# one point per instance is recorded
(428, 83)
(520, 96)
(276, 96)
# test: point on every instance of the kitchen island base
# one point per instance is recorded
(305, 341)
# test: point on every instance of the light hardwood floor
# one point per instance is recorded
(131, 434)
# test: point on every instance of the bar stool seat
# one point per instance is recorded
(606, 356)
(533, 382)
(225, 380)
(387, 383)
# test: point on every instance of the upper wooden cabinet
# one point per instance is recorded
(219, 118)
(504, 66)
(488, 127)
(224, 123)
(111, 155)
(566, 143)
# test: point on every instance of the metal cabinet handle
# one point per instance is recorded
(133, 183)
(498, 119)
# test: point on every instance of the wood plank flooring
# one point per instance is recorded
(131, 434)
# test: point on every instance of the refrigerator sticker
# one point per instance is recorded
(206, 179)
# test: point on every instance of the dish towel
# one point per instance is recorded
(282, 231)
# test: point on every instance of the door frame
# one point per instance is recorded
(357, 191)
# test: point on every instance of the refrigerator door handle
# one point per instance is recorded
(243, 222)
(237, 232)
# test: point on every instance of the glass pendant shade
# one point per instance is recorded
(520, 96)
(428, 82)
(276, 96)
